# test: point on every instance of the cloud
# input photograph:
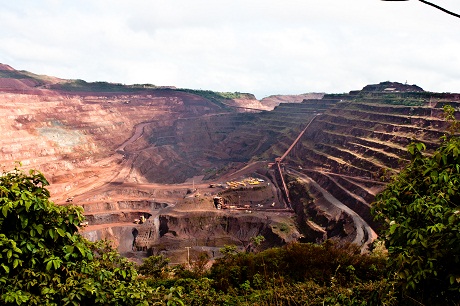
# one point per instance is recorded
(263, 47)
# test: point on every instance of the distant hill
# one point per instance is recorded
(275, 100)
(392, 87)
(20, 81)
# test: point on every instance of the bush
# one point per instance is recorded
(298, 263)
(44, 261)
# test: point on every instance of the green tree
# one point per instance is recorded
(420, 212)
(254, 243)
(155, 266)
(199, 265)
(229, 250)
(43, 259)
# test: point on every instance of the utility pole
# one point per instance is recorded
(188, 255)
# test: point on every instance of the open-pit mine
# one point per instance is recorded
(161, 170)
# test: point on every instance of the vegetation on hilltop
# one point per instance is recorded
(39, 80)
(209, 94)
(83, 86)
(218, 97)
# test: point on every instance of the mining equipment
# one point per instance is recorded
(219, 203)
(141, 220)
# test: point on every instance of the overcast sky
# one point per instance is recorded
(262, 47)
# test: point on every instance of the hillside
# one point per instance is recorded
(126, 152)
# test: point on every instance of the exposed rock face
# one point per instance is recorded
(362, 138)
(65, 134)
(319, 219)
(220, 229)
(169, 234)
(115, 149)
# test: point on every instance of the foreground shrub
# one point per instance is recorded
(304, 274)
(43, 259)
(298, 263)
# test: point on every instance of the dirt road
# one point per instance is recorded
(364, 233)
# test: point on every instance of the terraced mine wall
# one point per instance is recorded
(354, 142)
(362, 139)
(92, 143)
(317, 220)
(170, 234)
(211, 145)
(215, 229)
(116, 221)
(169, 228)
(65, 135)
